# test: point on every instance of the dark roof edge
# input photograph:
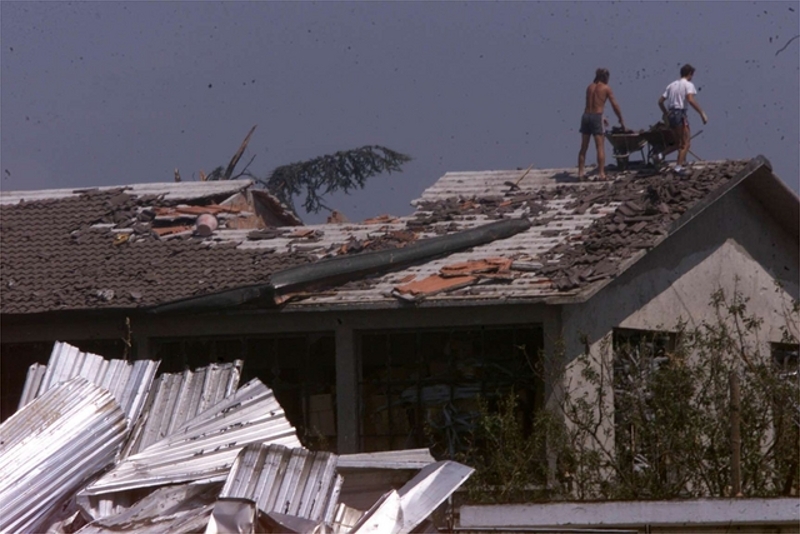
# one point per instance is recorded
(777, 199)
(758, 166)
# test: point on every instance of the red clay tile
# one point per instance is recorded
(436, 284)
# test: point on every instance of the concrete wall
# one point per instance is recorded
(734, 245)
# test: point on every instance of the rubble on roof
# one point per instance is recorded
(111, 256)
(648, 205)
(200, 455)
(581, 233)
(456, 276)
(125, 248)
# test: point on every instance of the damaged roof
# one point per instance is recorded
(120, 247)
(576, 237)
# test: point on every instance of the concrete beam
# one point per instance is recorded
(694, 513)
(21, 329)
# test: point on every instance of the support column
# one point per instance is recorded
(141, 339)
(347, 407)
(553, 388)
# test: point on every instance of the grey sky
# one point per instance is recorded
(120, 92)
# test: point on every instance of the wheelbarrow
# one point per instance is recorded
(659, 139)
(625, 144)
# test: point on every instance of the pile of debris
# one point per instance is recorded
(649, 204)
(100, 446)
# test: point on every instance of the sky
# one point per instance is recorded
(114, 93)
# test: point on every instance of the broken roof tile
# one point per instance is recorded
(432, 285)
(472, 267)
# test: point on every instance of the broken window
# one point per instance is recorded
(638, 356)
(786, 416)
(300, 370)
(422, 388)
(785, 357)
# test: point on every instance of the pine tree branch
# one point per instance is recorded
(342, 171)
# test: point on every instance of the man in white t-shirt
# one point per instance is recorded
(677, 95)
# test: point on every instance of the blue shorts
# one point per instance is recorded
(677, 117)
(592, 124)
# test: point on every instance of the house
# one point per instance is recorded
(370, 332)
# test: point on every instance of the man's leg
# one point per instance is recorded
(599, 142)
(582, 155)
(684, 144)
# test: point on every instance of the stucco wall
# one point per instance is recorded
(734, 245)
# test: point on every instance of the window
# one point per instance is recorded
(785, 357)
(300, 370)
(421, 388)
(638, 356)
(786, 415)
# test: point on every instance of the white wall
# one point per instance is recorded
(734, 245)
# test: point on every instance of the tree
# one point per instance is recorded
(344, 170)
(656, 420)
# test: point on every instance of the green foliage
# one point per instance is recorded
(653, 421)
(341, 171)
(509, 465)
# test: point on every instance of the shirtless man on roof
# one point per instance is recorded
(592, 120)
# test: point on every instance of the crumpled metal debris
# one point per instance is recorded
(55, 447)
(52, 447)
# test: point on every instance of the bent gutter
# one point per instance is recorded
(756, 166)
(345, 268)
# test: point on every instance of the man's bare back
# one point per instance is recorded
(592, 121)
(596, 95)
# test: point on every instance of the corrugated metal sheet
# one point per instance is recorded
(295, 482)
(176, 398)
(173, 509)
(404, 459)
(52, 446)
(234, 516)
(400, 511)
(385, 516)
(33, 380)
(205, 447)
(345, 519)
(428, 489)
(170, 190)
(128, 382)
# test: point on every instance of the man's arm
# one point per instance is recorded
(615, 107)
(690, 98)
(661, 101)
